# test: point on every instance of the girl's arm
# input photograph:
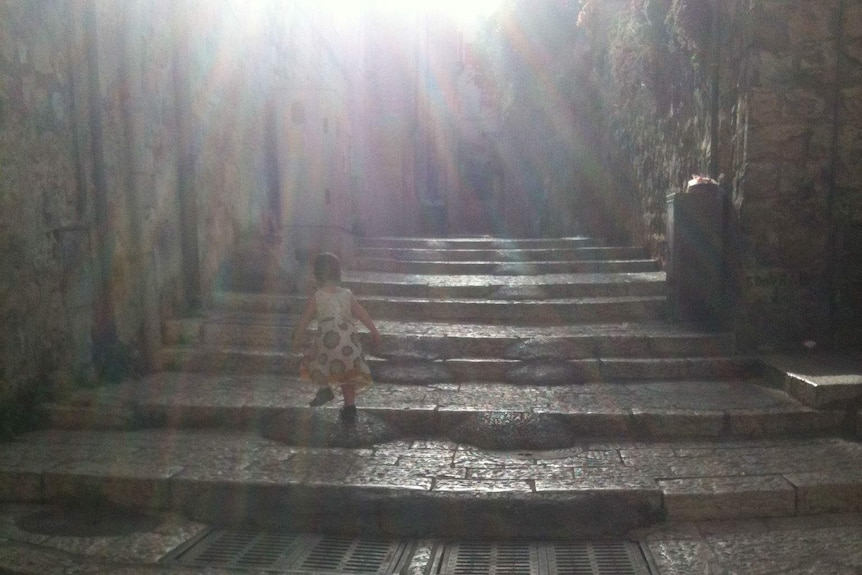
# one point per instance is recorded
(359, 313)
(304, 321)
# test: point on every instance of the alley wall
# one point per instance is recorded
(131, 160)
(763, 94)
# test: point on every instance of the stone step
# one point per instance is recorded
(437, 340)
(819, 379)
(432, 488)
(550, 286)
(496, 415)
(496, 311)
(477, 243)
(577, 254)
(503, 267)
(254, 361)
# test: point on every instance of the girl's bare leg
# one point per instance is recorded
(348, 390)
(348, 412)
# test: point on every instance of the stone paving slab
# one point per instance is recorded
(232, 476)
(819, 379)
(819, 545)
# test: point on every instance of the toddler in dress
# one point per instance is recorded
(336, 358)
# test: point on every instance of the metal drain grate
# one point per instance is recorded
(291, 553)
(542, 558)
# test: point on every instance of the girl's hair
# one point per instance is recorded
(327, 267)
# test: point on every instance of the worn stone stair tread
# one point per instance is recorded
(485, 289)
(479, 242)
(818, 379)
(530, 311)
(425, 487)
(483, 280)
(442, 340)
(616, 409)
(526, 255)
(395, 327)
(441, 329)
(297, 301)
(258, 360)
(504, 267)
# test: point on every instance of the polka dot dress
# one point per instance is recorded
(336, 357)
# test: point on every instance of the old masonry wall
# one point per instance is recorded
(764, 93)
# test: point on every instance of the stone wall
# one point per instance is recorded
(646, 99)
(318, 108)
(44, 240)
(763, 93)
(132, 158)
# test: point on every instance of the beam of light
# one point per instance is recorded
(460, 11)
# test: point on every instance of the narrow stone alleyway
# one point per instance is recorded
(527, 389)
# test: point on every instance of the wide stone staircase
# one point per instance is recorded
(523, 389)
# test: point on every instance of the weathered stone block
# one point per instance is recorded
(811, 20)
(851, 71)
(828, 492)
(817, 62)
(803, 104)
(760, 179)
(673, 423)
(21, 483)
(851, 105)
(804, 177)
(131, 485)
(764, 106)
(769, 18)
(850, 139)
(758, 424)
(790, 233)
(848, 170)
(776, 141)
(714, 498)
(772, 68)
(852, 24)
(820, 141)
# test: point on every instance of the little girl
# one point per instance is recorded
(336, 358)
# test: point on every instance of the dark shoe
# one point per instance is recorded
(324, 395)
(348, 414)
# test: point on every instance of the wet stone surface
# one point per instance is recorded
(548, 372)
(826, 544)
(92, 520)
(501, 430)
(326, 428)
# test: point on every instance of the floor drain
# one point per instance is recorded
(291, 553)
(542, 558)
